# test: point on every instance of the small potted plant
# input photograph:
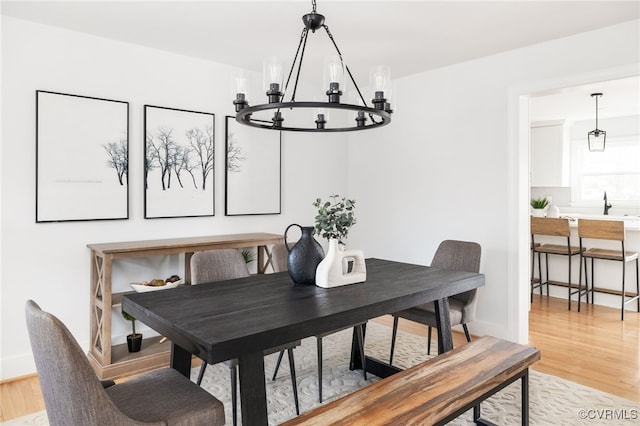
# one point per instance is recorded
(539, 205)
(248, 256)
(134, 340)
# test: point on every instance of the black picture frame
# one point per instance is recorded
(253, 167)
(82, 158)
(179, 163)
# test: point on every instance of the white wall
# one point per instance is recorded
(49, 262)
(453, 164)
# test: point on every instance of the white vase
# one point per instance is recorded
(333, 270)
(553, 211)
(538, 212)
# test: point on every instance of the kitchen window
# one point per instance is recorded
(616, 170)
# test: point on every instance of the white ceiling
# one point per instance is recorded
(410, 36)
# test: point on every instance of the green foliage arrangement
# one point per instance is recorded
(334, 218)
(132, 319)
(539, 203)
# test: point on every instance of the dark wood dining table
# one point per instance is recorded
(242, 317)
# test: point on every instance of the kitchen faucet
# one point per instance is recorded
(607, 205)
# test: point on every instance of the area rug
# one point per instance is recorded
(552, 401)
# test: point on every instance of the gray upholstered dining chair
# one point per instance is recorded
(219, 265)
(74, 395)
(279, 254)
(455, 256)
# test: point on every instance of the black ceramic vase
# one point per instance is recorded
(304, 256)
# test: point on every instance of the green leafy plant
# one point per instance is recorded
(539, 203)
(248, 256)
(334, 218)
(132, 319)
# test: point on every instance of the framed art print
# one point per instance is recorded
(82, 158)
(253, 163)
(179, 163)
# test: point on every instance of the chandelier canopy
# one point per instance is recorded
(364, 116)
(597, 138)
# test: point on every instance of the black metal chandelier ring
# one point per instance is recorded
(379, 115)
(244, 116)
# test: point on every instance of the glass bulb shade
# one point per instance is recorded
(334, 72)
(272, 72)
(380, 79)
(242, 85)
(597, 140)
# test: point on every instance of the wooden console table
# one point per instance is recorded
(115, 361)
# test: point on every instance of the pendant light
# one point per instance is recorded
(597, 137)
(335, 74)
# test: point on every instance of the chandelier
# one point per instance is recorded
(364, 116)
(597, 137)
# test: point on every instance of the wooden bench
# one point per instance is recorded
(435, 391)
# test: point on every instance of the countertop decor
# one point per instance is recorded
(539, 206)
(333, 222)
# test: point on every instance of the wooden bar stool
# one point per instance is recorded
(552, 227)
(612, 230)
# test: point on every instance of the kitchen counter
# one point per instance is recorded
(631, 223)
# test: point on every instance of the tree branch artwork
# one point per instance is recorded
(179, 159)
(118, 158)
(82, 158)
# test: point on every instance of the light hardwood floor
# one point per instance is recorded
(593, 348)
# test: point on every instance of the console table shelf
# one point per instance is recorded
(113, 361)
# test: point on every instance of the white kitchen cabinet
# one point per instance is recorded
(549, 154)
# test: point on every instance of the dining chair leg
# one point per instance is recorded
(466, 332)
(201, 373)
(234, 394)
(429, 340)
(319, 351)
(394, 332)
(359, 331)
(275, 371)
(294, 383)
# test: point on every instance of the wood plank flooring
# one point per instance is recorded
(592, 347)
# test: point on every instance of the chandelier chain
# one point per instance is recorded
(295, 86)
(313, 2)
(303, 37)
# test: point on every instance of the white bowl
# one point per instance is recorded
(140, 288)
